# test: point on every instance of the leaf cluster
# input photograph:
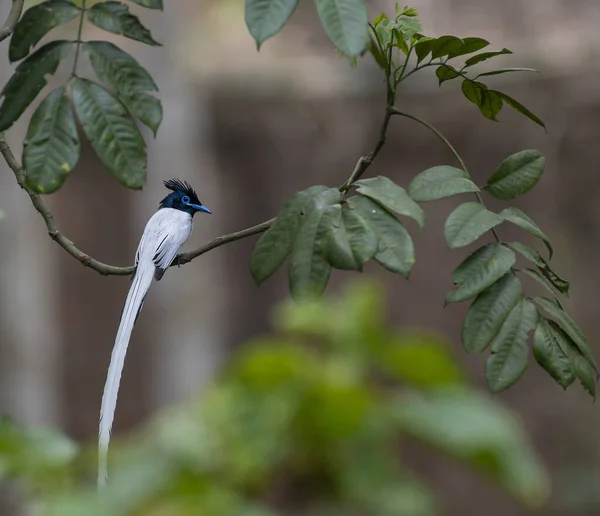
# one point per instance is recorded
(105, 110)
(320, 409)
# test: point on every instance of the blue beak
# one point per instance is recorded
(200, 207)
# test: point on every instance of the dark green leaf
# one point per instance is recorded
(439, 182)
(509, 349)
(395, 250)
(467, 223)
(265, 18)
(380, 59)
(569, 326)
(469, 46)
(150, 4)
(519, 218)
(29, 79)
(123, 73)
(446, 73)
(484, 56)
(480, 270)
(489, 311)
(488, 101)
(115, 17)
(548, 351)
(116, 139)
(275, 245)
(352, 241)
(392, 196)
(542, 280)
(36, 23)
(532, 255)
(146, 108)
(423, 48)
(507, 70)
(309, 270)
(473, 428)
(516, 175)
(117, 68)
(582, 368)
(52, 147)
(346, 23)
(520, 108)
(445, 45)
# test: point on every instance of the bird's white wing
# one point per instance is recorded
(164, 234)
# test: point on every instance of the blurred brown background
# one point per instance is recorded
(248, 129)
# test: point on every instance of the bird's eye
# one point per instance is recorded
(185, 199)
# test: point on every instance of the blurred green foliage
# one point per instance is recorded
(310, 421)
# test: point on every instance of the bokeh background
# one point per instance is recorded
(248, 129)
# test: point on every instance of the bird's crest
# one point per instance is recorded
(177, 185)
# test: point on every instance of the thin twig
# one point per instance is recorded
(79, 31)
(13, 18)
(395, 111)
(85, 259)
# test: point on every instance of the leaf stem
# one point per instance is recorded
(79, 31)
(395, 111)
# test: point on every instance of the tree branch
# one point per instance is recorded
(13, 18)
(110, 270)
(396, 111)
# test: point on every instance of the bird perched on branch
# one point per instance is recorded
(164, 234)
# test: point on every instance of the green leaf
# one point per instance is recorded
(275, 245)
(469, 46)
(488, 101)
(380, 59)
(489, 311)
(29, 79)
(532, 255)
(548, 345)
(569, 326)
(509, 349)
(36, 23)
(124, 74)
(516, 175)
(473, 428)
(507, 70)
(446, 73)
(395, 250)
(480, 270)
(542, 280)
(445, 45)
(346, 23)
(116, 139)
(115, 17)
(392, 196)
(150, 4)
(484, 56)
(265, 18)
(581, 367)
(520, 108)
(117, 68)
(52, 147)
(423, 48)
(309, 270)
(439, 182)
(352, 241)
(467, 223)
(519, 218)
(421, 361)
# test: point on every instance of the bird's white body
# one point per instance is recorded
(164, 234)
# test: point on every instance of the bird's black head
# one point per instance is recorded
(182, 198)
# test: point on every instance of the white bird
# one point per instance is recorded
(166, 231)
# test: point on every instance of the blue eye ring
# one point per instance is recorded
(185, 199)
